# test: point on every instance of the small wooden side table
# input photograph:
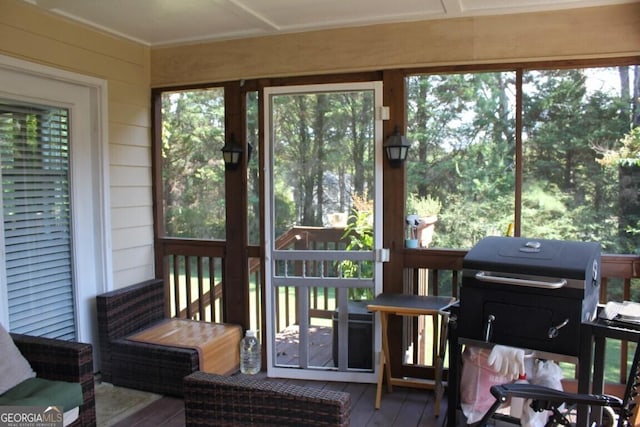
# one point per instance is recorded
(217, 344)
(411, 305)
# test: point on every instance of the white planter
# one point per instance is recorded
(425, 230)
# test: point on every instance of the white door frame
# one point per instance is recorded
(321, 374)
(86, 99)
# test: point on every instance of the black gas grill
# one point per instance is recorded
(529, 293)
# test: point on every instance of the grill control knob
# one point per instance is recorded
(554, 330)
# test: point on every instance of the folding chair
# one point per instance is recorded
(544, 398)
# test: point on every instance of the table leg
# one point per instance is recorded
(439, 365)
(384, 320)
(380, 378)
(384, 360)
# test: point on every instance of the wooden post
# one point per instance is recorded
(393, 198)
(235, 276)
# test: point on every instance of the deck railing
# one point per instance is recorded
(322, 304)
(193, 276)
(438, 272)
(426, 272)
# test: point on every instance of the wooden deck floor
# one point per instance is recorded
(320, 346)
(404, 407)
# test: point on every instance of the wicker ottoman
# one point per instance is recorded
(243, 400)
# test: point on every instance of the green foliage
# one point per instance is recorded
(463, 223)
(628, 154)
(463, 154)
(284, 213)
(359, 234)
(423, 206)
(323, 151)
(192, 168)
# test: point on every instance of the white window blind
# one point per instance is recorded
(36, 211)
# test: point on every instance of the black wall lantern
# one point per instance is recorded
(232, 153)
(396, 148)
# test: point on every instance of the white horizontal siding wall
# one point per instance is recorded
(31, 35)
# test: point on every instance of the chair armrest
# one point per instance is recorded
(124, 311)
(544, 398)
(547, 397)
(56, 359)
(61, 360)
(127, 310)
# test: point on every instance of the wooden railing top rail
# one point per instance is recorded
(621, 266)
(191, 247)
(613, 265)
(439, 259)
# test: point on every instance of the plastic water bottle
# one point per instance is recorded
(517, 403)
(250, 358)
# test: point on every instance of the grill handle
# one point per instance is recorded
(484, 277)
(488, 331)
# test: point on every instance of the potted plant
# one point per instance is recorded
(359, 236)
(423, 216)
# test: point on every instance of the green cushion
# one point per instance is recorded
(41, 392)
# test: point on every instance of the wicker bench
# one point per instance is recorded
(151, 367)
(215, 400)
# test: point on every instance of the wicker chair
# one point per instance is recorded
(155, 368)
(63, 361)
(215, 400)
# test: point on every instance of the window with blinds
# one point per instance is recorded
(36, 213)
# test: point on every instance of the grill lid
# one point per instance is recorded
(537, 257)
